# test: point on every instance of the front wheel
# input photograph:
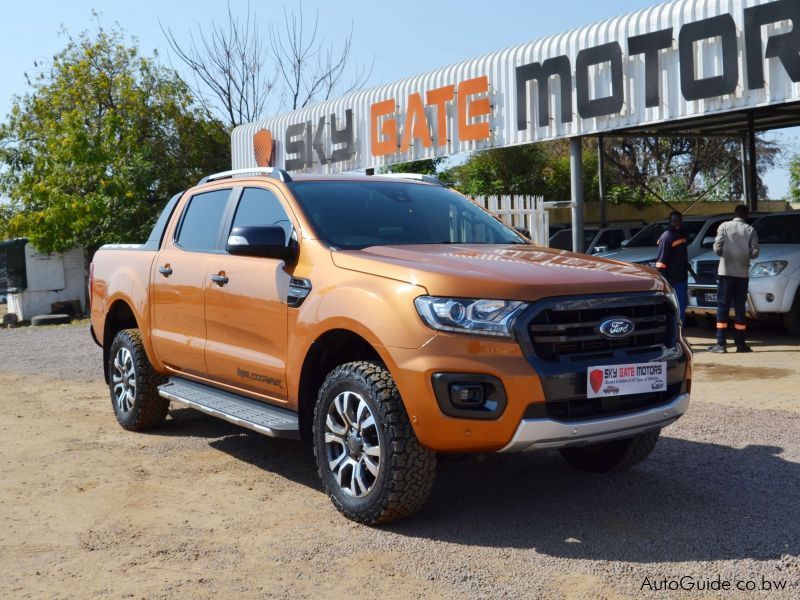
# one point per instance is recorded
(613, 456)
(371, 464)
(791, 320)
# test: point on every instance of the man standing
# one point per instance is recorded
(736, 244)
(673, 260)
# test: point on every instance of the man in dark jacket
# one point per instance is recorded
(673, 260)
(736, 243)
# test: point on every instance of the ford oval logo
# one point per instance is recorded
(617, 328)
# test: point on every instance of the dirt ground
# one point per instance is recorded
(202, 509)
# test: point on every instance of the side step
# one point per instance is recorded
(252, 414)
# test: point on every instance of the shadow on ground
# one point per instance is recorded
(689, 501)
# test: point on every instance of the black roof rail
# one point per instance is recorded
(415, 176)
(278, 174)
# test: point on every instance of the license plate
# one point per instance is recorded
(624, 380)
(710, 298)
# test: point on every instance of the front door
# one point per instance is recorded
(179, 277)
(246, 310)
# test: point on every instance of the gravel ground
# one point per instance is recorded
(200, 508)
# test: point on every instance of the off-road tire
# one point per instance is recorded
(791, 320)
(148, 408)
(407, 470)
(613, 456)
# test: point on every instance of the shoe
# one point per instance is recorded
(744, 348)
(717, 349)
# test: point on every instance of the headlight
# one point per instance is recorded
(482, 317)
(767, 269)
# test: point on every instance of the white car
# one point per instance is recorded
(774, 275)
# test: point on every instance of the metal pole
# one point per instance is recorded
(745, 172)
(576, 171)
(752, 163)
(601, 176)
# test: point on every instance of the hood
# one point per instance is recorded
(633, 255)
(520, 272)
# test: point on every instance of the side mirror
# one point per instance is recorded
(523, 231)
(599, 249)
(624, 243)
(266, 241)
(708, 242)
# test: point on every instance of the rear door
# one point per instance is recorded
(178, 282)
(246, 315)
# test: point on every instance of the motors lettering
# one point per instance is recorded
(785, 47)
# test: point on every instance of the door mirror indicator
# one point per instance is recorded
(266, 241)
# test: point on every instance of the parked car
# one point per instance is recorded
(384, 320)
(598, 238)
(774, 275)
(643, 247)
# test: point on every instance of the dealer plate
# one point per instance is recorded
(710, 298)
(624, 380)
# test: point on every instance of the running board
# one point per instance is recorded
(252, 414)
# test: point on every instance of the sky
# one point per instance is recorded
(398, 39)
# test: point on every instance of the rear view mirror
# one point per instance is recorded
(266, 241)
(708, 242)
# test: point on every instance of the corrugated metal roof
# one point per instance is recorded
(500, 68)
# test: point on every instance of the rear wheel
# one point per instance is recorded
(613, 456)
(371, 464)
(134, 384)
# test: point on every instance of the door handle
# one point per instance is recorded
(220, 280)
(166, 270)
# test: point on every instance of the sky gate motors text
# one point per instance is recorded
(785, 47)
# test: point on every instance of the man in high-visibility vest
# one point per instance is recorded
(673, 260)
(736, 244)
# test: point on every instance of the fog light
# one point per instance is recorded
(770, 298)
(464, 395)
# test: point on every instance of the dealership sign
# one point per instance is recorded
(675, 61)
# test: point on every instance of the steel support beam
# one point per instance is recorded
(576, 171)
(752, 163)
(601, 177)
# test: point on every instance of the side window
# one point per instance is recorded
(261, 207)
(202, 219)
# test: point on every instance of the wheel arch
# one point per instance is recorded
(120, 316)
(329, 350)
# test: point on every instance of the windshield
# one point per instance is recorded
(650, 234)
(783, 229)
(562, 240)
(358, 214)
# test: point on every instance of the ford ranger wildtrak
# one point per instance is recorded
(384, 320)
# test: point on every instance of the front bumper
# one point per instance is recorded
(758, 297)
(548, 433)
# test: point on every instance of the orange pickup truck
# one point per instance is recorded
(384, 319)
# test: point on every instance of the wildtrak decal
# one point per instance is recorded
(244, 374)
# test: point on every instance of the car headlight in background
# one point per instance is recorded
(483, 317)
(767, 269)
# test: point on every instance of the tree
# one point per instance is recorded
(426, 166)
(235, 75)
(676, 169)
(99, 143)
(794, 179)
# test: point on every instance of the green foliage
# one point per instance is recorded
(794, 179)
(99, 143)
(428, 166)
(534, 169)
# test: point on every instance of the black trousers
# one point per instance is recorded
(731, 292)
